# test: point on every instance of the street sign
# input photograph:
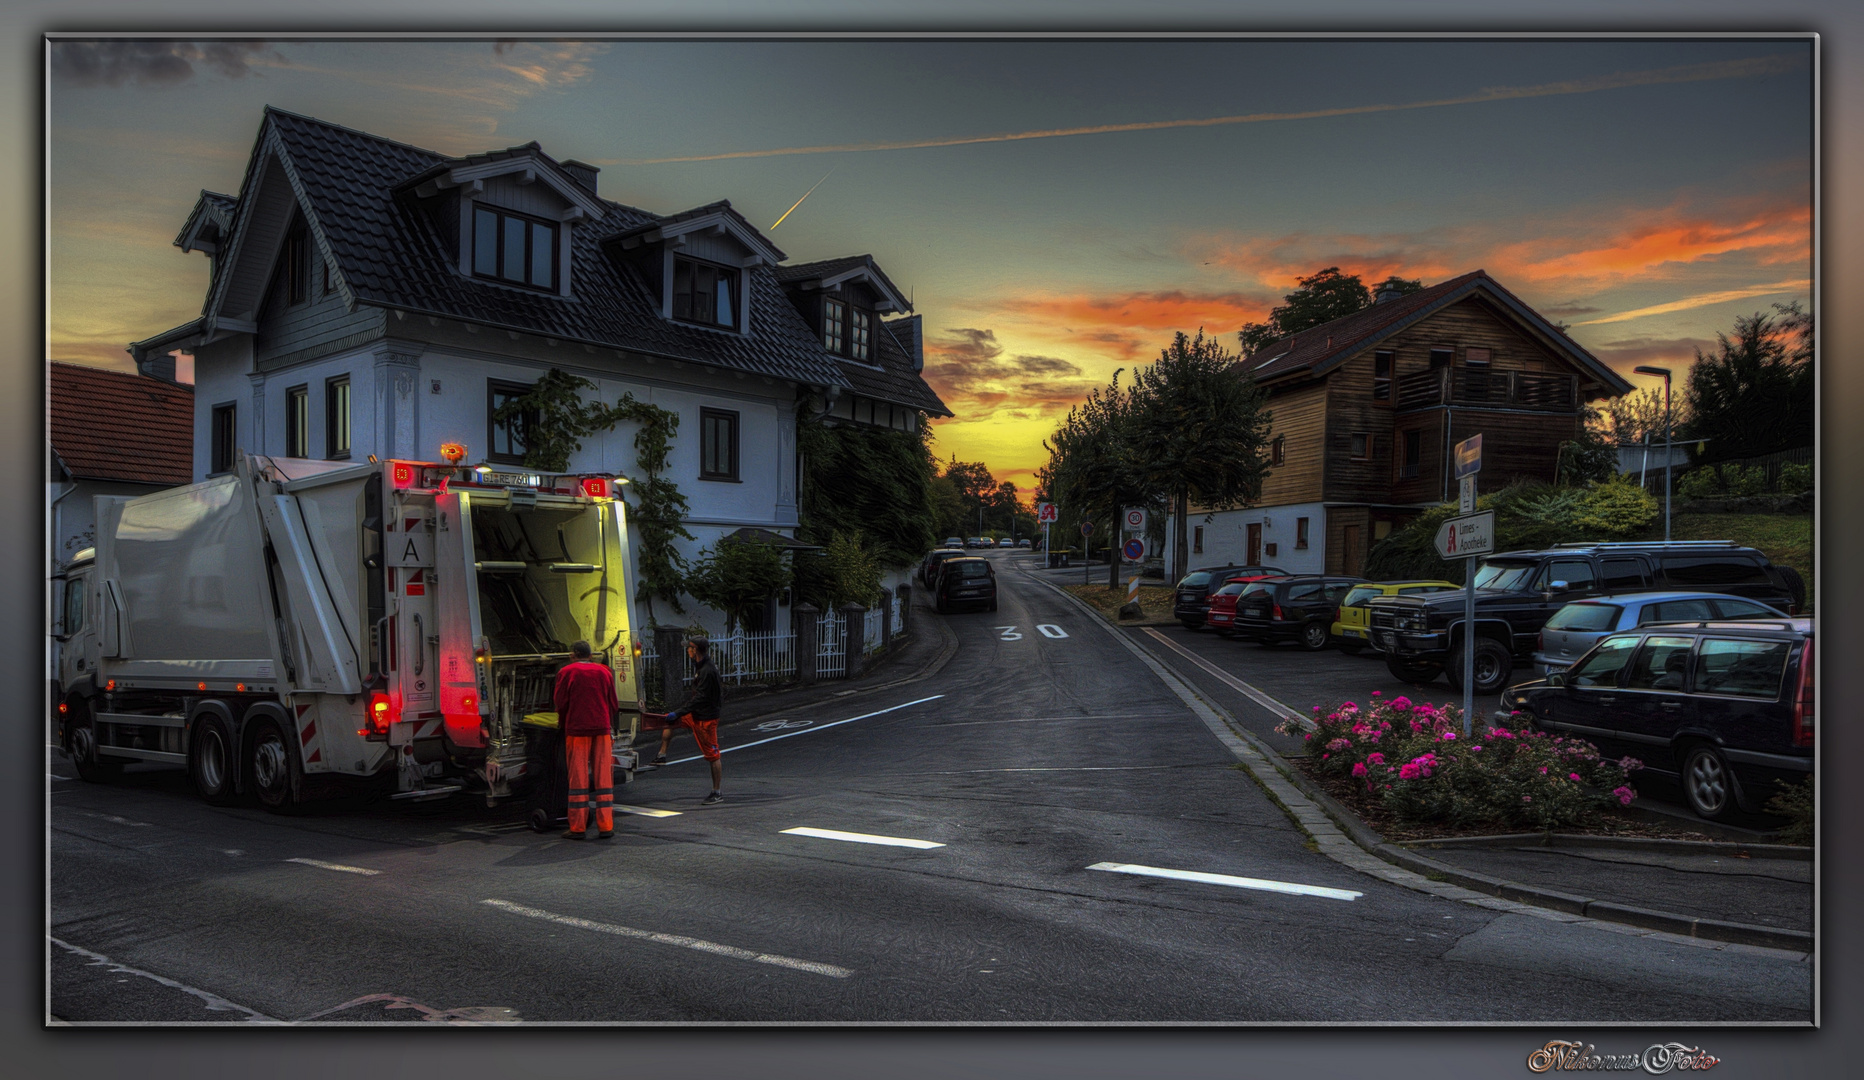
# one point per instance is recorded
(1135, 521)
(1087, 528)
(1469, 456)
(1046, 513)
(1134, 549)
(1466, 495)
(1461, 537)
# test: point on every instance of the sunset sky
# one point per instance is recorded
(1056, 208)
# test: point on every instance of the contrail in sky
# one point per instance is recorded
(806, 194)
(1702, 300)
(1686, 73)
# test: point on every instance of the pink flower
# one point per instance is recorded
(1527, 798)
(1324, 757)
(1408, 771)
(1401, 703)
(1375, 693)
(1316, 708)
(1501, 733)
(1625, 795)
(1572, 776)
(1375, 759)
(1543, 770)
(1449, 736)
(1359, 769)
(1309, 737)
(1338, 745)
(1474, 748)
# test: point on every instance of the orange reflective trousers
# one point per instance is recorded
(591, 780)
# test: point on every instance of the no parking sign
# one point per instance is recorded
(1134, 549)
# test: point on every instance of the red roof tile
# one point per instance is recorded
(108, 425)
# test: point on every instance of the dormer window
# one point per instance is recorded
(834, 324)
(297, 267)
(858, 333)
(705, 293)
(514, 248)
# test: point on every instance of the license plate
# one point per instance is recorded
(1388, 639)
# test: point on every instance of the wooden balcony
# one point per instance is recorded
(1488, 389)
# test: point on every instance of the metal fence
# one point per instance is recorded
(763, 658)
(832, 645)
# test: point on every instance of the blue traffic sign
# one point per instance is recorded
(1134, 549)
(1469, 456)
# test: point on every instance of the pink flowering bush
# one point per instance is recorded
(1411, 758)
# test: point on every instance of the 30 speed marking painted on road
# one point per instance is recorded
(861, 838)
(1050, 630)
(1264, 885)
(697, 944)
(321, 865)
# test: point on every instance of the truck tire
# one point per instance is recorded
(1494, 663)
(272, 767)
(82, 744)
(1412, 671)
(1795, 585)
(211, 761)
(1351, 646)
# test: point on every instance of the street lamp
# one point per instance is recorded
(1646, 369)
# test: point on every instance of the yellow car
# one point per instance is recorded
(1352, 630)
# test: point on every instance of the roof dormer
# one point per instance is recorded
(698, 263)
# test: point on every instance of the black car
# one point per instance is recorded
(966, 580)
(1299, 609)
(1726, 707)
(1193, 593)
(1517, 592)
(928, 570)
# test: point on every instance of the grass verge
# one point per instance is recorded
(1156, 602)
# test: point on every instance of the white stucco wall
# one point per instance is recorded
(1226, 537)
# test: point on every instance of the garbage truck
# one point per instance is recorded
(292, 628)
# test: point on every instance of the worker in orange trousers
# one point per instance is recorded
(586, 709)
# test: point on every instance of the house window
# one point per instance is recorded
(705, 293)
(1300, 534)
(298, 422)
(857, 334)
(224, 435)
(514, 248)
(718, 444)
(506, 437)
(337, 417)
(1275, 450)
(1382, 376)
(834, 324)
(1440, 356)
(1477, 358)
(326, 267)
(1197, 540)
(297, 268)
(1413, 455)
(1362, 446)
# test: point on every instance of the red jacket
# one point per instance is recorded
(585, 698)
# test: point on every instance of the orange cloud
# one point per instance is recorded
(1642, 248)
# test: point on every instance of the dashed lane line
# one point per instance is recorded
(697, 944)
(321, 865)
(861, 838)
(1262, 884)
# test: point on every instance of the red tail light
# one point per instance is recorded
(1802, 702)
(1275, 612)
(1540, 642)
(63, 708)
(401, 475)
(596, 487)
(381, 714)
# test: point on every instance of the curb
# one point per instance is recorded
(1370, 841)
(1619, 843)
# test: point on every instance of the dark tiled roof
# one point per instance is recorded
(108, 425)
(828, 268)
(891, 377)
(1314, 350)
(390, 253)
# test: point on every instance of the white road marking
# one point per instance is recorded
(55, 776)
(1050, 630)
(861, 838)
(115, 820)
(697, 944)
(1225, 879)
(1252, 693)
(1009, 634)
(809, 731)
(213, 1001)
(321, 865)
(646, 811)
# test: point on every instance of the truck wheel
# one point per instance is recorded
(272, 767)
(82, 743)
(1494, 664)
(1412, 671)
(1707, 785)
(1313, 637)
(210, 762)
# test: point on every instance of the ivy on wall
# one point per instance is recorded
(871, 482)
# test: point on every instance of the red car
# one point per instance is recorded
(1222, 614)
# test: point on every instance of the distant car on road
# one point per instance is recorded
(1193, 593)
(1022, 543)
(974, 542)
(1352, 630)
(953, 542)
(1725, 706)
(1299, 609)
(1580, 625)
(966, 580)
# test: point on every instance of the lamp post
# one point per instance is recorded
(1645, 369)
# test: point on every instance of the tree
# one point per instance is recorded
(947, 507)
(844, 571)
(1591, 457)
(1753, 394)
(1198, 430)
(737, 577)
(1094, 468)
(1319, 298)
(975, 487)
(876, 481)
(1631, 418)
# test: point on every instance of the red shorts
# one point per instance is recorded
(705, 733)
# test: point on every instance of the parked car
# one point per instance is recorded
(1221, 615)
(953, 542)
(974, 542)
(1022, 543)
(1724, 706)
(966, 580)
(1351, 630)
(1300, 608)
(1518, 591)
(1582, 624)
(1195, 590)
(928, 570)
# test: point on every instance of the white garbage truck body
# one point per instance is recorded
(295, 624)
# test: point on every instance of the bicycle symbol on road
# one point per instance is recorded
(783, 725)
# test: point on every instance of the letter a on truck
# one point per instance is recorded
(296, 626)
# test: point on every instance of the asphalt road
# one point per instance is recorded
(1045, 747)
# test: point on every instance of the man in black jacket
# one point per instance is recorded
(698, 713)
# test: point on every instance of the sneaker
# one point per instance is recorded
(715, 797)
(659, 760)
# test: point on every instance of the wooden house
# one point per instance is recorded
(1365, 410)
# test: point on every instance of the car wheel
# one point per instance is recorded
(1313, 637)
(1707, 785)
(1352, 646)
(210, 762)
(272, 767)
(82, 743)
(1493, 665)
(1412, 671)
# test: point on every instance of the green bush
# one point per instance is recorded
(1414, 761)
(1527, 516)
(1743, 480)
(1700, 483)
(1794, 803)
(1619, 508)
(1795, 479)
